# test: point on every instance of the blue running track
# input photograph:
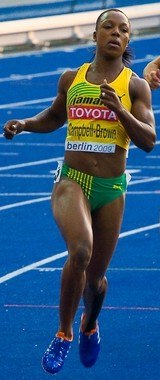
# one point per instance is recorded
(33, 252)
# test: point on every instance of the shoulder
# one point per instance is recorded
(138, 87)
(66, 79)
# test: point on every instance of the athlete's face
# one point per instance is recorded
(112, 33)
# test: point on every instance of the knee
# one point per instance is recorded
(80, 255)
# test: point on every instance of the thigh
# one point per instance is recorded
(106, 224)
(72, 212)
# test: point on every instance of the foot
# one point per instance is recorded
(89, 345)
(56, 353)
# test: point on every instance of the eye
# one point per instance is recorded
(107, 26)
(124, 30)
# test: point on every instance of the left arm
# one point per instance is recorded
(139, 123)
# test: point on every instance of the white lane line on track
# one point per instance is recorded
(51, 269)
(27, 175)
(134, 308)
(32, 266)
(24, 194)
(37, 200)
(135, 182)
(24, 203)
(49, 193)
(63, 254)
(17, 77)
(143, 192)
(141, 167)
(33, 163)
(31, 144)
(58, 71)
(25, 103)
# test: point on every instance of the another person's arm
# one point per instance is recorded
(152, 73)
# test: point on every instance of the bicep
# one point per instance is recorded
(59, 105)
(141, 105)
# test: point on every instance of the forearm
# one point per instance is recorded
(44, 122)
(141, 134)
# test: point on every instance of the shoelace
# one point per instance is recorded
(59, 344)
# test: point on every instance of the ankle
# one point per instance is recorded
(88, 327)
(60, 334)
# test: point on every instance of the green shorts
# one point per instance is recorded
(99, 191)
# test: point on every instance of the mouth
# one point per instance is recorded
(114, 43)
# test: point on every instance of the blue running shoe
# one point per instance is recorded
(55, 354)
(89, 346)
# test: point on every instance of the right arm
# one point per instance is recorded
(152, 73)
(48, 120)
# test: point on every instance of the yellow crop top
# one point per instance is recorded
(92, 127)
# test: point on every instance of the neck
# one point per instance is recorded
(108, 64)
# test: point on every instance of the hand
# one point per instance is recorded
(12, 128)
(110, 98)
(153, 79)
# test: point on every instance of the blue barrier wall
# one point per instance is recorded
(15, 11)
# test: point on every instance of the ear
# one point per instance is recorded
(94, 36)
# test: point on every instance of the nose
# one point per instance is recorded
(115, 31)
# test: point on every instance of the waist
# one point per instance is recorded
(77, 174)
